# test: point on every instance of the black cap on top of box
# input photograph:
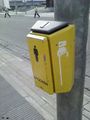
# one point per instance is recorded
(48, 27)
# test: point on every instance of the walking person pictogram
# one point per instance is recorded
(35, 52)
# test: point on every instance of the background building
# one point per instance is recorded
(25, 4)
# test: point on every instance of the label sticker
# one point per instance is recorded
(62, 50)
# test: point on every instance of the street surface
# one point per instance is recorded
(14, 30)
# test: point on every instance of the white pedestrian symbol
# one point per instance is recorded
(62, 50)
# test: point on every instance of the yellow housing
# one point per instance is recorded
(52, 58)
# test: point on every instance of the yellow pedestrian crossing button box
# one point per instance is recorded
(51, 46)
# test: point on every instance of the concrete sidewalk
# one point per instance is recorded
(18, 74)
(13, 106)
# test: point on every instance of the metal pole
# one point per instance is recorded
(25, 6)
(16, 6)
(69, 105)
(32, 3)
(49, 3)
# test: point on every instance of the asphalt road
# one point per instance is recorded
(13, 32)
(15, 29)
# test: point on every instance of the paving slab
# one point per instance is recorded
(87, 107)
(84, 118)
(13, 106)
(86, 115)
(87, 82)
(86, 100)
